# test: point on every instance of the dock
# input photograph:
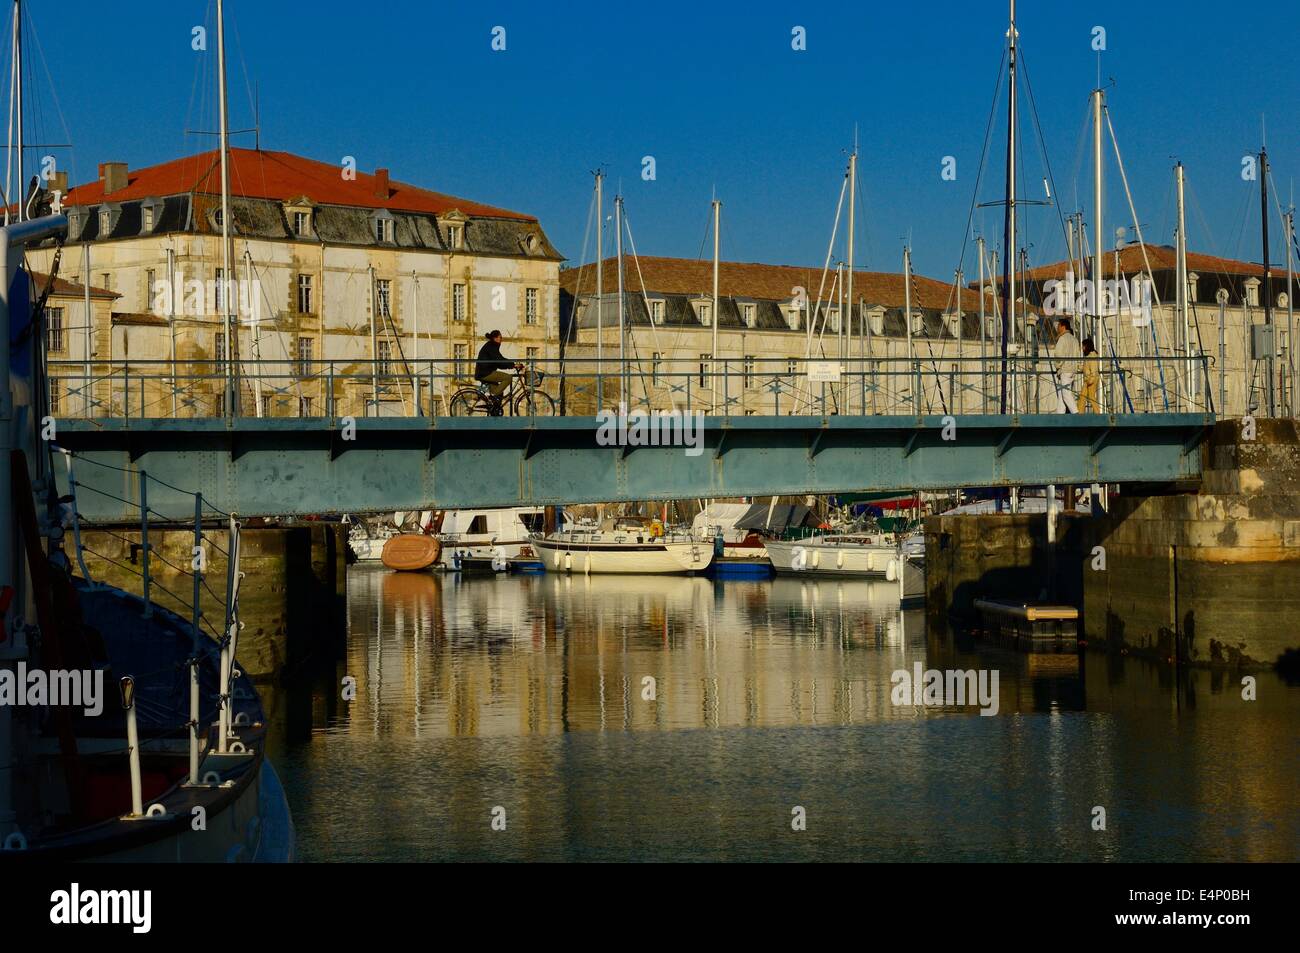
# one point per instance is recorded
(1030, 628)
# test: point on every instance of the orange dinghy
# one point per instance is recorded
(411, 552)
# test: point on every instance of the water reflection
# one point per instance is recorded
(534, 692)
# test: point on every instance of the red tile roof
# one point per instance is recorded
(65, 288)
(693, 276)
(280, 176)
(1162, 258)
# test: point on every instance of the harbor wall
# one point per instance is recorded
(999, 556)
(1212, 577)
(1205, 579)
(291, 599)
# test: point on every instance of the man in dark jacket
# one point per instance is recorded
(492, 368)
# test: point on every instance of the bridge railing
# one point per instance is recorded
(575, 386)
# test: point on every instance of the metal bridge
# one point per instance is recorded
(385, 441)
(291, 466)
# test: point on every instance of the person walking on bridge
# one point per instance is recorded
(1065, 354)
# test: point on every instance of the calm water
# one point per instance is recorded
(525, 693)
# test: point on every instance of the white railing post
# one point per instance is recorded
(127, 686)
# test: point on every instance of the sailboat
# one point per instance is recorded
(86, 776)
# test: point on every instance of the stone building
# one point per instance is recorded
(1225, 301)
(779, 326)
(352, 293)
(780, 337)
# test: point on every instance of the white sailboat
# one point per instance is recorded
(842, 554)
(624, 544)
(499, 535)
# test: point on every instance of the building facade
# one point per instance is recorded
(347, 292)
(782, 345)
(778, 327)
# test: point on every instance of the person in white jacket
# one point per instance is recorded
(1065, 354)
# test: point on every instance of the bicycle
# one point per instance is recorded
(524, 397)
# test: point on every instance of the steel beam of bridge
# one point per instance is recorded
(292, 466)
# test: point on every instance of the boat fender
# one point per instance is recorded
(839, 560)
(817, 558)
(15, 841)
(891, 571)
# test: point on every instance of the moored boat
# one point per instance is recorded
(629, 545)
(844, 554)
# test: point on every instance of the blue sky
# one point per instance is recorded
(716, 94)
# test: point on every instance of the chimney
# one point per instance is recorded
(381, 184)
(58, 183)
(113, 175)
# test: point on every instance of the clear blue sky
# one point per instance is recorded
(716, 94)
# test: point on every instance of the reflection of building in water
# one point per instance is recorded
(502, 655)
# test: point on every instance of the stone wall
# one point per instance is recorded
(1214, 576)
(291, 598)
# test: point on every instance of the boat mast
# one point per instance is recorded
(1268, 271)
(1098, 243)
(717, 248)
(984, 367)
(907, 320)
(600, 283)
(1182, 286)
(227, 249)
(1290, 307)
(1009, 221)
(846, 319)
(618, 229)
(20, 191)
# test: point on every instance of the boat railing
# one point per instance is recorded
(160, 502)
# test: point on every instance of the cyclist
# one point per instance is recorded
(491, 369)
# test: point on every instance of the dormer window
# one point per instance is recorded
(792, 316)
(456, 236)
(147, 217)
(1252, 292)
(953, 322)
(1192, 279)
(876, 320)
(918, 322)
(704, 311)
(384, 230)
(105, 221)
(657, 310)
(749, 313)
(302, 224)
(833, 319)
